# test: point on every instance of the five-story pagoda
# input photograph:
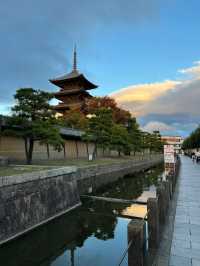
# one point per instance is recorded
(73, 90)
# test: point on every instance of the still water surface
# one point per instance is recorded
(94, 234)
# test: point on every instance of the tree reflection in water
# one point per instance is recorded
(132, 186)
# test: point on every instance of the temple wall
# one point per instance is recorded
(13, 148)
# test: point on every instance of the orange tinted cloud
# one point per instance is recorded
(135, 97)
(143, 92)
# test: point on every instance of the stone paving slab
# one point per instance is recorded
(195, 262)
(179, 261)
(185, 248)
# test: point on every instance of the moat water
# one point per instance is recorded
(94, 234)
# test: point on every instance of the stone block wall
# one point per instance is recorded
(28, 200)
(90, 178)
(32, 199)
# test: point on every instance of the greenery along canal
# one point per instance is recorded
(93, 234)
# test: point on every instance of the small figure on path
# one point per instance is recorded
(197, 156)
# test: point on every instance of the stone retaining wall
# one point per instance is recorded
(92, 177)
(28, 200)
(32, 199)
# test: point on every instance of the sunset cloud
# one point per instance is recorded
(174, 99)
(143, 92)
(155, 125)
(137, 97)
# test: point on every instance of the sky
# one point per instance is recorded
(144, 53)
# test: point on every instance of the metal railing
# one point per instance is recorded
(125, 253)
(131, 242)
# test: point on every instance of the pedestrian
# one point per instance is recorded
(193, 158)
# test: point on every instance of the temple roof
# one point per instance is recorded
(73, 76)
(71, 92)
(70, 132)
(65, 106)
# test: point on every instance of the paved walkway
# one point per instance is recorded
(185, 249)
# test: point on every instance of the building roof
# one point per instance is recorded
(64, 131)
(73, 76)
(70, 132)
(171, 136)
(61, 93)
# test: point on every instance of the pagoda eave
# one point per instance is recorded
(61, 107)
(70, 92)
(85, 83)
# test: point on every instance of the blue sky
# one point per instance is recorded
(120, 44)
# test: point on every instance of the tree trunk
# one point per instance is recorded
(48, 154)
(26, 147)
(95, 151)
(87, 149)
(77, 153)
(30, 145)
(64, 150)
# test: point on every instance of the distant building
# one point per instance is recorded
(74, 88)
(176, 141)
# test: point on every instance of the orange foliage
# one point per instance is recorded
(119, 115)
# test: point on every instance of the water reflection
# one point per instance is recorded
(86, 235)
(93, 234)
(132, 186)
(97, 252)
(135, 210)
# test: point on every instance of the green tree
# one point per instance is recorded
(100, 128)
(33, 119)
(135, 135)
(153, 142)
(193, 141)
(120, 139)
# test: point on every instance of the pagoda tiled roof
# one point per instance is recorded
(70, 92)
(71, 77)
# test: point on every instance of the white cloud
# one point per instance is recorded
(168, 98)
(136, 97)
(155, 125)
(194, 70)
(4, 109)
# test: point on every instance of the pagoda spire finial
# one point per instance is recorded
(75, 59)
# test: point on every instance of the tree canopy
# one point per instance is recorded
(193, 141)
(119, 115)
(100, 128)
(33, 119)
(104, 123)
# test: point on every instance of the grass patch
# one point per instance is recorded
(83, 162)
(20, 169)
(52, 164)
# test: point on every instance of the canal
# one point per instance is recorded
(93, 234)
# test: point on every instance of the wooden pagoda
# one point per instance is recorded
(74, 88)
